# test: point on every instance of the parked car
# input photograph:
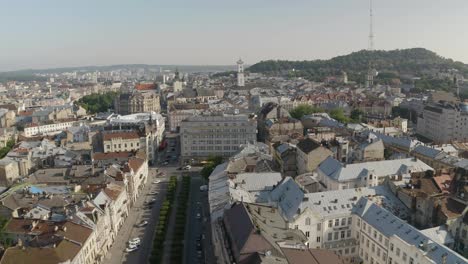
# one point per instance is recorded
(188, 167)
(131, 248)
(153, 193)
(156, 181)
(204, 188)
(165, 163)
(143, 223)
(135, 240)
(198, 215)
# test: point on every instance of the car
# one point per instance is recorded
(143, 223)
(131, 248)
(198, 215)
(151, 201)
(161, 173)
(203, 188)
(165, 163)
(188, 167)
(153, 193)
(156, 181)
(135, 240)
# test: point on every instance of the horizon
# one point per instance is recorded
(208, 32)
(199, 65)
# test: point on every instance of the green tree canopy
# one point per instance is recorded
(95, 103)
(302, 110)
(339, 115)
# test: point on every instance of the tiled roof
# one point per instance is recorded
(111, 155)
(136, 163)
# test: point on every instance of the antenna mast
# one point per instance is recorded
(371, 28)
(370, 71)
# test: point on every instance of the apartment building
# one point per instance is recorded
(121, 141)
(385, 238)
(37, 129)
(137, 101)
(338, 176)
(215, 135)
(444, 122)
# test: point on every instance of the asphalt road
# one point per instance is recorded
(138, 213)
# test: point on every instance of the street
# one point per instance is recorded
(138, 213)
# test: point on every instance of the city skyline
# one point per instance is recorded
(211, 33)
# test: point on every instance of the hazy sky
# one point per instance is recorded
(45, 33)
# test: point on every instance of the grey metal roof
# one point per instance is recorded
(335, 170)
(390, 225)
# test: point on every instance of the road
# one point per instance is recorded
(138, 213)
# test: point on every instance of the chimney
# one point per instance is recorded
(444, 258)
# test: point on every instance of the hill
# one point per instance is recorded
(392, 64)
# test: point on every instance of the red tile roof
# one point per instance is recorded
(136, 163)
(145, 86)
(112, 155)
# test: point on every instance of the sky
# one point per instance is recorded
(48, 34)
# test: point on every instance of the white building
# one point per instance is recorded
(53, 128)
(338, 176)
(385, 238)
(444, 123)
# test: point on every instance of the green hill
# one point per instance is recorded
(391, 64)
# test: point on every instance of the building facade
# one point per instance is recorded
(218, 135)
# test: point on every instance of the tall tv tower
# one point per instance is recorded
(370, 71)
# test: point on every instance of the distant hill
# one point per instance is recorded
(394, 63)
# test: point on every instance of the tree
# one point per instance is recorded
(95, 103)
(303, 110)
(339, 115)
(356, 115)
(211, 164)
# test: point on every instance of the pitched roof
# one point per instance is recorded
(111, 155)
(135, 163)
(307, 145)
(311, 256)
(339, 172)
(390, 225)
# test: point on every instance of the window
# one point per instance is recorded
(386, 242)
(307, 234)
(337, 222)
(319, 226)
(318, 239)
(390, 261)
(359, 222)
(404, 256)
(330, 236)
(350, 220)
(398, 252)
(296, 227)
(330, 223)
(343, 221)
(373, 247)
(342, 234)
(375, 234)
(367, 242)
(353, 249)
(391, 247)
(384, 256)
(378, 252)
(380, 238)
(335, 235)
(364, 226)
(348, 233)
(125, 145)
(411, 260)
(307, 221)
(346, 251)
